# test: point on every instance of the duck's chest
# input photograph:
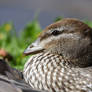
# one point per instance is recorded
(47, 72)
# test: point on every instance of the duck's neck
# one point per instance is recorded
(75, 59)
(80, 61)
(65, 61)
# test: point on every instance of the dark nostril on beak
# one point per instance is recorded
(31, 46)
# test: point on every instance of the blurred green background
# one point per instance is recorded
(15, 43)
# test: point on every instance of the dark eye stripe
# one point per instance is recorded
(55, 32)
(52, 32)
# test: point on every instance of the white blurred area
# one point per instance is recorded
(23, 11)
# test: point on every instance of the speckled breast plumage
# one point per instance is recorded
(53, 73)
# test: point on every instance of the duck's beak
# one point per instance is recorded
(34, 48)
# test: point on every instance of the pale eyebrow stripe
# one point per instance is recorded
(61, 29)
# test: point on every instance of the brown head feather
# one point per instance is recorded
(70, 23)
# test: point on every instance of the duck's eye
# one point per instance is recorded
(55, 32)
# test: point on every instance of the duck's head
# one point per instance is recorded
(68, 37)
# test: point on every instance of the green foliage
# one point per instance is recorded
(16, 44)
(88, 23)
(57, 18)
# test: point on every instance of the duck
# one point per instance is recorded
(61, 58)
